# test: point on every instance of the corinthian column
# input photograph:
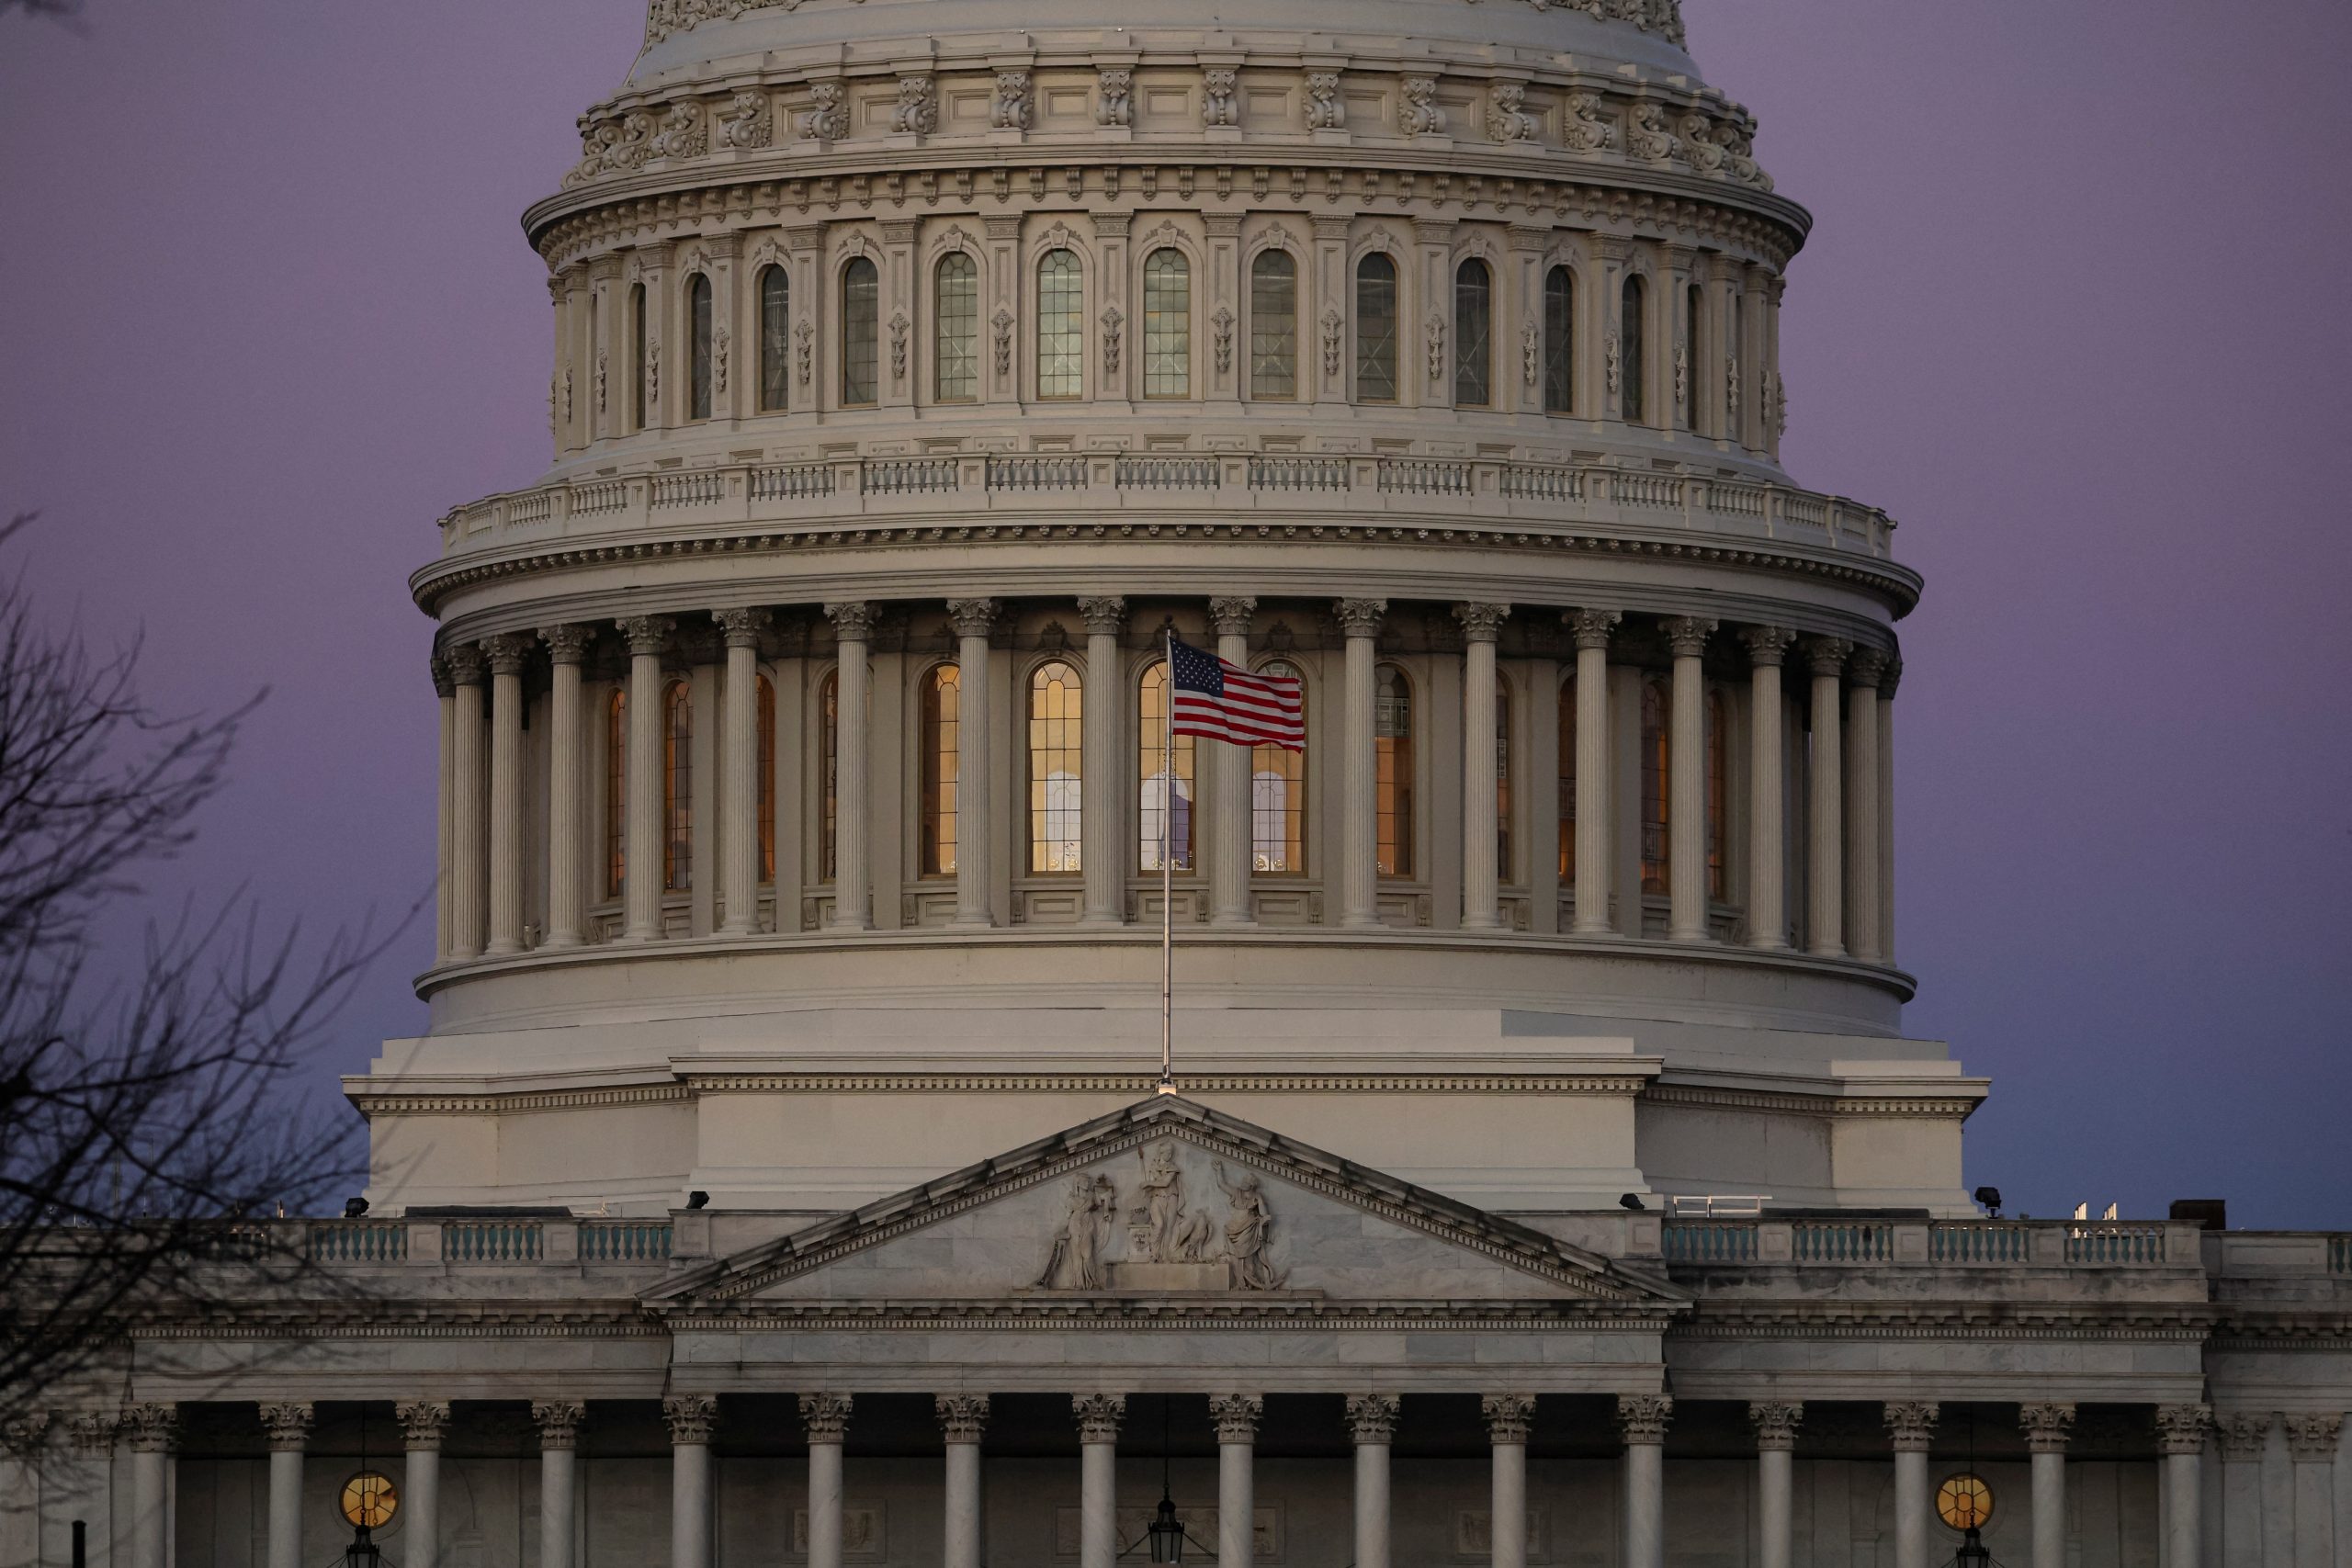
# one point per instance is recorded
(154, 1431)
(1237, 1493)
(962, 1418)
(1824, 911)
(1686, 807)
(642, 879)
(2312, 1441)
(827, 1417)
(2047, 1428)
(469, 855)
(1643, 1418)
(1229, 835)
(1911, 1426)
(1099, 1416)
(691, 1417)
(505, 656)
(853, 705)
(559, 1423)
(1102, 855)
(739, 779)
(1481, 871)
(567, 783)
(1595, 854)
(1862, 803)
(1359, 798)
(975, 841)
(2243, 1435)
(422, 1422)
(1886, 809)
(1509, 1416)
(445, 820)
(1372, 1424)
(288, 1427)
(1767, 812)
(2181, 1430)
(1776, 1441)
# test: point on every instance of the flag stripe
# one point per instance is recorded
(1225, 702)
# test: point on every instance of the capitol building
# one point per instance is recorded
(784, 1180)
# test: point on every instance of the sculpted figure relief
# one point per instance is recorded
(1246, 1232)
(1160, 1230)
(1077, 1260)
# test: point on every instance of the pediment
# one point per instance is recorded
(1168, 1201)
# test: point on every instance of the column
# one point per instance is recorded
(1508, 1417)
(1099, 1416)
(975, 843)
(641, 877)
(1767, 890)
(469, 851)
(89, 1490)
(567, 783)
(2311, 1441)
(1236, 1416)
(154, 1430)
(2181, 1430)
(962, 1418)
(2047, 1428)
(288, 1427)
(1592, 629)
(1826, 915)
(1886, 809)
(25, 1501)
(559, 1423)
(1359, 798)
(1912, 1427)
(1372, 1424)
(446, 688)
(1228, 767)
(2242, 1434)
(691, 1417)
(1862, 803)
(738, 780)
(1481, 625)
(1103, 857)
(1776, 1440)
(1686, 807)
(1643, 1418)
(852, 712)
(506, 655)
(422, 1424)
(826, 1415)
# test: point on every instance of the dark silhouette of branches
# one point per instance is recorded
(66, 11)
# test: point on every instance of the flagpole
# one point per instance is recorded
(1166, 867)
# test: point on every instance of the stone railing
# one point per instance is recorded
(1948, 1244)
(345, 1243)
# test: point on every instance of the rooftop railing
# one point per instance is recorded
(485, 1241)
(1951, 1243)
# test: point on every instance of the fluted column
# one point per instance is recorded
(1686, 807)
(738, 778)
(153, 1431)
(559, 1423)
(827, 1417)
(1825, 909)
(852, 709)
(1229, 833)
(1776, 1440)
(1359, 778)
(91, 1436)
(423, 1422)
(567, 783)
(444, 688)
(1886, 684)
(1481, 873)
(962, 1419)
(1643, 1418)
(641, 878)
(2242, 1434)
(288, 1427)
(2181, 1430)
(690, 1418)
(1099, 1416)
(2047, 1428)
(974, 819)
(25, 1500)
(1236, 1416)
(469, 847)
(505, 656)
(1371, 1425)
(1509, 1416)
(2311, 1440)
(1912, 1428)
(1862, 671)
(1766, 810)
(1595, 852)
(1102, 853)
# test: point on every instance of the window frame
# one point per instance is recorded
(1395, 780)
(1632, 348)
(702, 321)
(1257, 312)
(936, 796)
(1166, 331)
(1073, 316)
(861, 335)
(1358, 334)
(776, 338)
(943, 323)
(1560, 340)
(1474, 307)
(1298, 803)
(1182, 768)
(1059, 735)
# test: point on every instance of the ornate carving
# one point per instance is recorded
(1731, 393)
(1589, 129)
(1103, 615)
(1591, 628)
(2047, 1427)
(681, 134)
(1248, 1232)
(1009, 109)
(1099, 1416)
(1767, 646)
(652, 370)
(1776, 1424)
(1221, 337)
(1217, 86)
(467, 667)
(1435, 329)
(1232, 616)
(829, 120)
(665, 18)
(1613, 353)
(1506, 120)
(443, 683)
(2312, 1436)
(558, 1422)
(804, 348)
(1419, 115)
(1531, 352)
(288, 1425)
(602, 369)
(1237, 1417)
(691, 1417)
(2242, 1434)
(612, 147)
(1682, 374)
(917, 110)
(973, 617)
(852, 622)
(1642, 1417)
(1113, 107)
(1481, 623)
(2181, 1428)
(1509, 1417)
(506, 653)
(1372, 1419)
(1699, 144)
(899, 326)
(825, 1417)
(721, 341)
(1649, 139)
(1687, 634)
(1113, 318)
(646, 634)
(1358, 617)
(1911, 1425)
(567, 391)
(1776, 390)
(742, 626)
(962, 1416)
(1325, 110)
(24, 1436)
(1867, 667)
(1334, 332)
(92, 1431)
(1827, 655)
(1078, 1258)
(422, 1422)
(1738, 143)
(1003, 322)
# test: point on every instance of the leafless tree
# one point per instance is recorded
(145, 1096)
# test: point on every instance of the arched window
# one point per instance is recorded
(942, 695)
(1691, 392)
(1273, 327)
(1658, 780)
(699, 307)
(1629, 340)
(1062, 326)
(1502, 780)
(616, 791)
(1392, 732)
(1375, 330)
(765, 699)
(1056, 719)
(677, 787)
(861, 330)
(1166, 793)
(637, 355)
(956, 331)
(1473, 323)
(775, 338)
(1718, 794)
(829, 760)
(1560, 341)
(1567, 772)
(1167, 325)
(1278, 795)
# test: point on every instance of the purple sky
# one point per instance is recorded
(2068, 315)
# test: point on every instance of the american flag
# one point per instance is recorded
(1226, 701)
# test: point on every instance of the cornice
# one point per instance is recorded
(1945, 1107)
(1989, 1321)
(1061, 1313)
(1143, 1083)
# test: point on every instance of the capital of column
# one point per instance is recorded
(1687, 634)
(2047, 1427)
(1776, 1423)
(1358, 617)
(289, 1426)
(1099, 1416)
(645, 634)
(690, 1418)
(853, 620)
(567, 643)
(825, 1417)
(973, 617)
(2311, 1439)
(1237, 1417)
(1507, 1416)
(24, 1436)
(1371, 1417)
(1103, 615)
(1867, 668)
(506, 653)
(1642, 1417)
(962, 1416)
(1827, 655)
(1232, 616)
(1891, 677)
(558, 1422)
(154, 1429)
(443, 683)
(465, 663)
(421, 1422)
(1911, 1425)
(1591, 628)
(1767, 646)
(2181, 1428)
(2243, 1433)
(1481, 623)
(92, 1431)
(742, 626)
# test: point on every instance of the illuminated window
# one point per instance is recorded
(942, 692)
(637, 355)
(956, 331)
(1166, 794)
(1473, 320)
(861, 330)
(1273, 327)
(1393, 756)
(616, 792)
(677, 787)
(1629, 339)
(1718, 792)
(1502, 780)
(1278, 796)
(1057, 718)
(1062, 326)
(699, 307)
(1658, 780)
(1567, 777)
(767, 700)
(829, 760)
(1375, 330)
(775, 338)
(1167, 325)
(1560, 342)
